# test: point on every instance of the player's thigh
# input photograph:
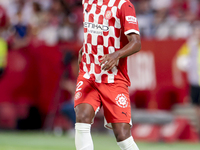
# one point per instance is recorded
(84, 113)
(86, 101)
(116, 104)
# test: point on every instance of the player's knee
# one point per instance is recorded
(121, 131)
(121, 136)
(84, 113)
(83, 118)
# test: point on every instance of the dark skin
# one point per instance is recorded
(85, 112)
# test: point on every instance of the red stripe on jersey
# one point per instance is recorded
(100, 40)
(105, 49)
(95, 1)
(86, 48)
(94, 49)
(111, 41)
(88, 67)
(89, 38)
(104, 78)
(81, 66)
(105, 33)
(99, 57)
(98, 10)
(117, 32)
(88, 8)
(111, 22)
(100, 21)
(116, 3)
(92, 76)
(110, 72)
(84, 58)
(97, 69)
(91, 58)
(91, 18)
(106, 2)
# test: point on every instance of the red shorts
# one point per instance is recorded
(114, 97)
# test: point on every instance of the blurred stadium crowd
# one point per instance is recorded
(48, 21)
(52, 21)
(42, 34)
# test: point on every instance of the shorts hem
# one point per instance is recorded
(76, 104)
(109, 126)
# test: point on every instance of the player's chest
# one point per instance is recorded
(99, 17)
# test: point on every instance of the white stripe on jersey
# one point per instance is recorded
(121, 3)
(111, 3)
(132, 31)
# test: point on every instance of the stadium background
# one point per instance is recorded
(42, 39)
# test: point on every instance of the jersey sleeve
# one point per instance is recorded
(128, 18)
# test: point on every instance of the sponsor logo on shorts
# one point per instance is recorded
(108, 14)
(121, 100)
(78, 95)
(131, 19)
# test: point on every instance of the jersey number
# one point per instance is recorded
(79, 85)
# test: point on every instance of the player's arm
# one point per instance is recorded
(111, 60)
(132, 47)
(130, 27)
(80, 55)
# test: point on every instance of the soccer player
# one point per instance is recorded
(110, 35)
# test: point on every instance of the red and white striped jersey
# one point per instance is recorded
(106, 24)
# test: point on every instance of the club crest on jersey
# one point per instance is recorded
(131, 19)
(108, 14)
(77, 95)
(121, 100)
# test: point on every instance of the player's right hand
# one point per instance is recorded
(80, 55)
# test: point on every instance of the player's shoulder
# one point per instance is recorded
(125, 4)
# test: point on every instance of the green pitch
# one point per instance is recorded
(41, 141)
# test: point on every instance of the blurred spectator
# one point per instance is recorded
(37, 17)
(54, 21)
(166, 18)
(161, 4)
(3, 44)
(21, 32)
(145, 18)
(162, 23)
(3, 56)
(68, 86)
(66, 30)
(48, 31)
(189, 61)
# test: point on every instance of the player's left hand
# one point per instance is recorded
(109, 61)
